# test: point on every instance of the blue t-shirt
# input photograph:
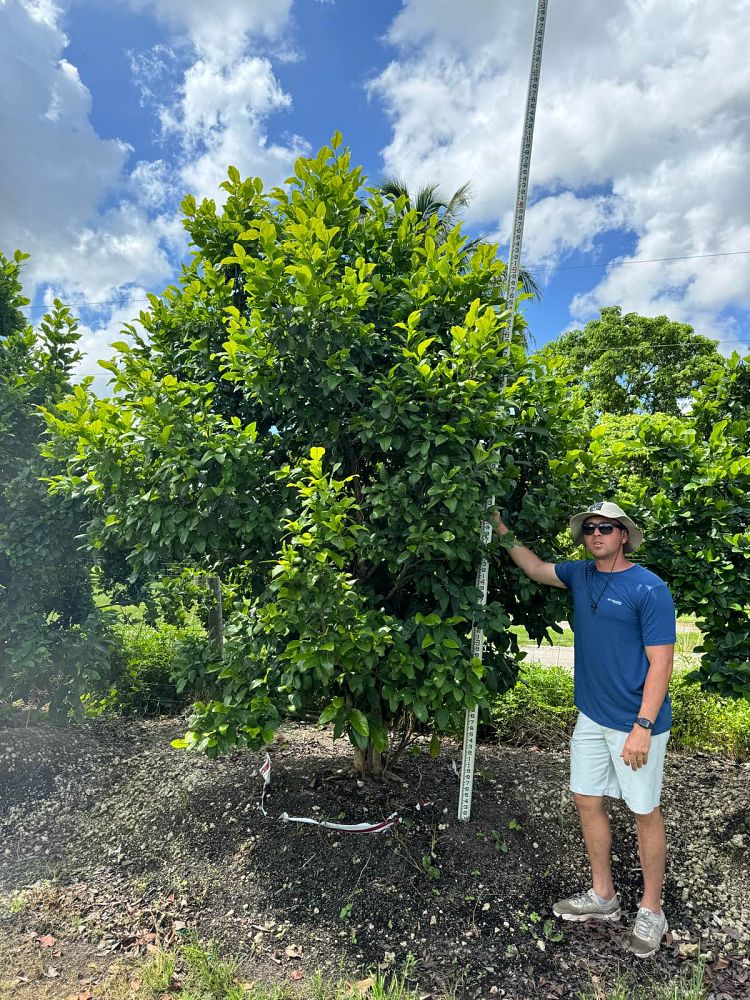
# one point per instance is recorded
(636, 610)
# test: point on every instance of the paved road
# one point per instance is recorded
(549, 656)
(562, 656)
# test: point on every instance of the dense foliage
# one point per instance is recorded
(633, 364)
(688, 480)
(319, 413)
(539, 712)
(53, 641)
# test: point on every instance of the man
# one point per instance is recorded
(624, 624)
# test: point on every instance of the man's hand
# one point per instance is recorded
(532, 565)
(499, 525)
(637, 746)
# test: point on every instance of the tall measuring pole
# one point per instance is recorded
(514, 266)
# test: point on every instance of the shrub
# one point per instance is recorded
(154, 663)
(326, 403)
(702, 721)
(539, 711)
(54, 643)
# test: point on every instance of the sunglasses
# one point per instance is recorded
(604, 528)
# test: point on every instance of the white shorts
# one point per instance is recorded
(596, 767)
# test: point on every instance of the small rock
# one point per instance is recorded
(688, 949)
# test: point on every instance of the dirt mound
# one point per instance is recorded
(133, 838)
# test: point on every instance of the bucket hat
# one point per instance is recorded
(607, 509)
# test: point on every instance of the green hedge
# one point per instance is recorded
(153, 661)
(539, 712)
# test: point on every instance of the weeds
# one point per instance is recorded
(17, 903)
(197, 972)
(688, 985)
(158, 975)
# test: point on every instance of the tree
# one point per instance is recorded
(429, 203)
(690, 486)
(724, 395)
(319, 414)
(53, 644)
(634, 364)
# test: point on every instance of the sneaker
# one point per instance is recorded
(585, 906)
(646, 934)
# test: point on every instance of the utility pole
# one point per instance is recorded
(514, 266)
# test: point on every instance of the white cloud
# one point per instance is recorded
(214, 88)
(647, 100)
(56, 169)
(220, 33)
(559, 223)
(220, 120)
(97, 338)
(96, 223)
(59, 176)
(125, 247)
(151, 182)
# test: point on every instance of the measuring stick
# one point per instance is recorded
(514, 266)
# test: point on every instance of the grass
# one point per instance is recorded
(197, 972)
(539, 711)
(688, 985)
(688, 636)
(194, 972)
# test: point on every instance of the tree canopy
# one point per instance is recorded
(634, 364)
(687, 479)
(428, 202)
(319, 412)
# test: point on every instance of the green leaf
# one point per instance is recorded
(358, 722)
(330, 712)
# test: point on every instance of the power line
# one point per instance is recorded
(648, 260)
(529, 267)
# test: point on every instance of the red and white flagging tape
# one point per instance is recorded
(381, 827)
(265, 772)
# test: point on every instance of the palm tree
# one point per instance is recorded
(429, 202)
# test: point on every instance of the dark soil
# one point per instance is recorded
(118, 841)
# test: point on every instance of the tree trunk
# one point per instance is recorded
(369, 762)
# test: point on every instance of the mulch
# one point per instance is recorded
(120, 842)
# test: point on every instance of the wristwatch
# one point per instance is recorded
(644, 723)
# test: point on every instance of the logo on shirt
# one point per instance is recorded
(613, 601)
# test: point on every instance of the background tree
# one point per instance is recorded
(53, 643)
(690, 487)
(724, 395)
(318, 413)
(634, 364)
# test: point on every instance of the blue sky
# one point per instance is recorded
(111, 111)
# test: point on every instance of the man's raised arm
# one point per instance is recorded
(532, 565)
